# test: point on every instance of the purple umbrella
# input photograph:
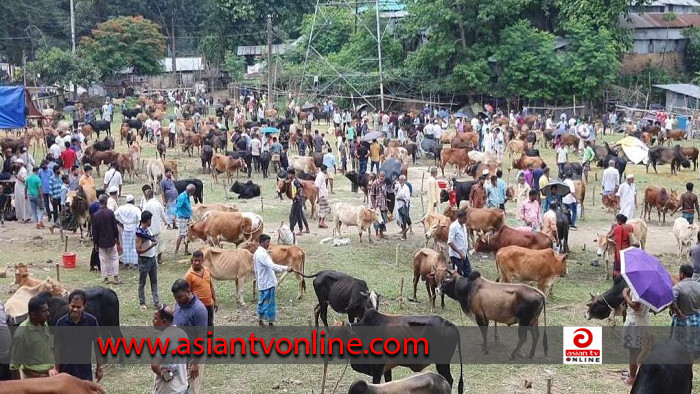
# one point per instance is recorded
(647, 278)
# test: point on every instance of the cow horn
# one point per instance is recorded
(591, 294)
(362, 293)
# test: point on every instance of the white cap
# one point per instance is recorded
(485, 172)
(129, 198)
(19, 161)
(630, 176)
(113, 189)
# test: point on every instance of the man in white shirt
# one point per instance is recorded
(402, 206)
(562, 159)
(549, 124)
(324, 207)
(628, 197)
(668, 124)
(113, 178)
(329, 162)
(265, 270)
(611, 179)
(255, 147)
(170, 369)
(173, 131)
(154, 206)
(106, 115)
(475, 123)
(458, 244)
(129, 215)
(148, 124)
(570, 200)
(55, 149)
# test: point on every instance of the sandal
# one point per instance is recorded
(116, 281)
(143, 307)
(629, 381)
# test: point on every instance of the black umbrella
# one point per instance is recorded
(562, 188)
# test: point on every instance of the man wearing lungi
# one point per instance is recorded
(267, 281)
(324, 207)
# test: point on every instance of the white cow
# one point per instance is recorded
(155, 170)
(359, 216)
(685, 234)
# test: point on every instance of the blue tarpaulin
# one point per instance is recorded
(12, 107)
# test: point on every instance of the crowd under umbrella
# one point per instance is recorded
(270, 130)
(647, 278)
(562, 188)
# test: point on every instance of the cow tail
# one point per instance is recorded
(544, 337)
(460, 385)
(308, 276)
(303, 264)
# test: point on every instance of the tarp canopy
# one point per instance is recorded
(634, 149)
(12, 107)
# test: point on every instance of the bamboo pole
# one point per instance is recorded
(323, 378)
(401, 294)
(58, 272)
(397, 255)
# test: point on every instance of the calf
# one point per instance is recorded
(606, 246)
(206, 156)
(457, 157)
(501, 302)
(245, 190)
(436, 226)
(447, 336)
(600, 306)
(563, 230)
(507, 236)
(310, 192)
(668, 368)
(155, 171)
(222, 163)
(686, 235)
(352, 216)
(431, 266)
(422, 383)
(543, 266)
(343, 293)
(484, 220)
(524, 160)
(229, 264)
(611, 202)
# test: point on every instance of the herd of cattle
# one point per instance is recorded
(520, 255)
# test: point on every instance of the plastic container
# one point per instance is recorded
(69, 260)
(442, 184)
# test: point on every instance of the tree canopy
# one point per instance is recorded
(60, 67)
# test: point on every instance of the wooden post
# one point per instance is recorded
(323, 379)
(593, 197)
(397, 255)
(401, 294)
(262, 204)
(549, 385)
(421, 193)
(65, 248)
(58, 272)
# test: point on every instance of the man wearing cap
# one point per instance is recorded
(433, 191)
(113, 178)
(628, 197)
(112, 201)
(477, 196)
(105, 236)
(128, 215)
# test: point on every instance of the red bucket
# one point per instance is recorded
(69, 260)
(442, 184)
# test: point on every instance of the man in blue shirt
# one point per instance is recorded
(46, 173)
(492, 194)
(65, 342)
(190, 312)
(55, 185)
(183, 213)
(329, 162)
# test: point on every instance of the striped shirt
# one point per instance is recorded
(55, 186)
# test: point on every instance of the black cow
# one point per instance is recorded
(462, 190)
(104, 145)
(603, 151)
(532, 152)
(206, 156)
(660, 155)
(563, 229)
(134, 124)
(600, 306)
(100, 125)
(432, 147)
(181, 185)
(447, 338)
(245, 190)
(668, 368)
(575, 168)
(130, 113)
(343, 293)
(620, 164)
(359, 182)
(265, 162)
(411, 148)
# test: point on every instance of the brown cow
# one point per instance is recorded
(507, 236)
(234, 227)
(580, 194)
(691, 153)
(123, 131)
(662, 200)
(224, 163)
(611, 202)
(172, 165)
(465, 140)
(310, 192)
(126, 164)
(17, 305)
(79, 204)
(96, 158)
(522, 162)
(23, 278)
(229, 264)
(477, 169)
(457, 157)
(303, 163)
(484, 220)
(199, 210)
(675, 135)
(289, 255)
(524, 264)
(516, 147)
(431, 266)
(191, 140)
(570, 140)
(436, 226)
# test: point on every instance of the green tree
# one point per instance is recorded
(235, 65)
(529, 66)
(692, 50)
(126, 42)
(61, 67)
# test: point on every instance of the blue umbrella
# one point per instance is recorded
(270, 130)
(461, 115)
(443, 114)
(647, 278)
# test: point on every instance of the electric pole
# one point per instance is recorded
(269, 61)
(379, 51)
(72, 26)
